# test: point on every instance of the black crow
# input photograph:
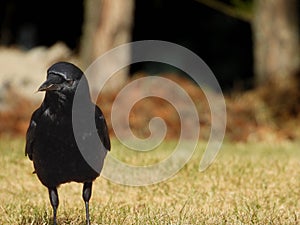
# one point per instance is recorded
(51, 142)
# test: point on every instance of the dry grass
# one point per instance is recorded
(248, 184)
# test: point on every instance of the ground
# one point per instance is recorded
(254, 180)
(254, 184)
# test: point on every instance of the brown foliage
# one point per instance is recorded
(268, 113)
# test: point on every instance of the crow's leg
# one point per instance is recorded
(86, 195)
(54, 202)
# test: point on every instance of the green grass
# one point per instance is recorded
(255, 183)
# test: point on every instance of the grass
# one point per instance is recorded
(254, 183)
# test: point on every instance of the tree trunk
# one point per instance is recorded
(107, 25)
(276, 39)
(92, 9)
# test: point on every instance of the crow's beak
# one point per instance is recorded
(51, 84)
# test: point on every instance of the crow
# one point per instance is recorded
(59, 156)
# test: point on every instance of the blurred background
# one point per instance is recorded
(252, 47)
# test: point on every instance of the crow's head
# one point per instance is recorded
(63, 79)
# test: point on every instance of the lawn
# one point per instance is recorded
(253, 183)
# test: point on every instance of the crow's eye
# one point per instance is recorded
(70, 82)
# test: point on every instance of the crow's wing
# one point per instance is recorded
(30, 134)
(102, 128)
